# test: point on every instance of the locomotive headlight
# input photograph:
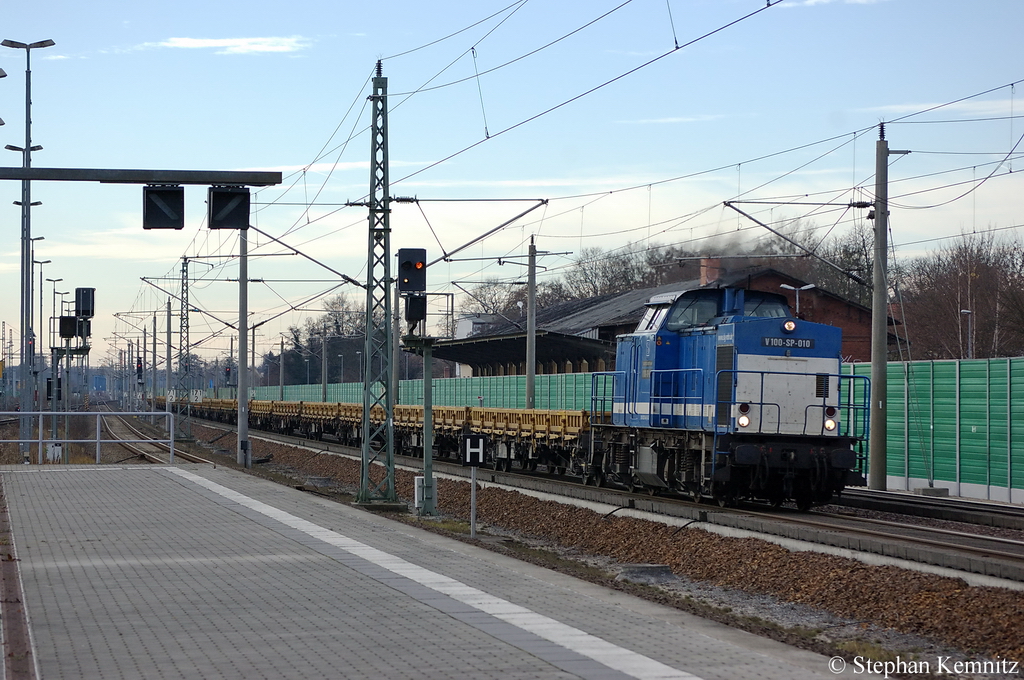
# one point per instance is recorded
(743, 420)
(830, 424)
(788, 326)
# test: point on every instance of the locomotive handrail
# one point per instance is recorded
(632, 385)
(863, 406)
(674, 398)
(761, 404)
(849, 426)
(602, 404)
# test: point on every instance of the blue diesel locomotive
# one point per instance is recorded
(724, 394)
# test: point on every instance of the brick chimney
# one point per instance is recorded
(710, 270)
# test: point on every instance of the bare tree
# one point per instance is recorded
(970, 287)
(492, 297)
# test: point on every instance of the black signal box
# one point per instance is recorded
(412, 270)
(415, 307)
(228, 208)
(163, 207)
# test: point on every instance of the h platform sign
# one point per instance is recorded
(473, 450)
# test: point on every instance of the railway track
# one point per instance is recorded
(939, 546)
(152, 451)
(969, 511)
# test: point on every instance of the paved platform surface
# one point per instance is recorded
(196, 572)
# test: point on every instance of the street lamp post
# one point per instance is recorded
(970, 331)
(38, 358)
(42, 321)
(797, 291)
(25, 424)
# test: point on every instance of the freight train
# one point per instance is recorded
(718, 393)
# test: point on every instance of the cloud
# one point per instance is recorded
(985, 107)
(326, 168)
(238, 45)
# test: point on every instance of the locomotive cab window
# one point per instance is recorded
(765, 305)
(689, 312)
(653, 316)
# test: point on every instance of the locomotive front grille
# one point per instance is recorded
(821, 385)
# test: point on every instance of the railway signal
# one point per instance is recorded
(163, 206)
(412, 270)
(228, 207)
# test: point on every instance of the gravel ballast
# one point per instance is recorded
(823, 598)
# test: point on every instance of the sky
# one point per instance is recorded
(634, 119)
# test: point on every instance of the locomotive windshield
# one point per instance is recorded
(693, 309)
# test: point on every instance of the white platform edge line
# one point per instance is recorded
(611, 655)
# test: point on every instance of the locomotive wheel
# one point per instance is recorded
(724, 498)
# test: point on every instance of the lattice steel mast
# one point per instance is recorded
(378, 437)
(184, 392)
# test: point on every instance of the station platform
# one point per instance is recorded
(203, 572)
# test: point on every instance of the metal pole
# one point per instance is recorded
(429, 507)
(970, 336)
(144, 359)
(879, 325)
(323, 367)
(396, 351)
(472, 503)
(39, 396)
(244, 456)
(54, 381)
(167, 387)
(67, 400)
(280, 372)
(129, 381)
(24, 398)
(531, 327)
(153, 405)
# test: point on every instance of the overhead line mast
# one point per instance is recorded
(378, 438)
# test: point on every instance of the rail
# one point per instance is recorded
(56, 447)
